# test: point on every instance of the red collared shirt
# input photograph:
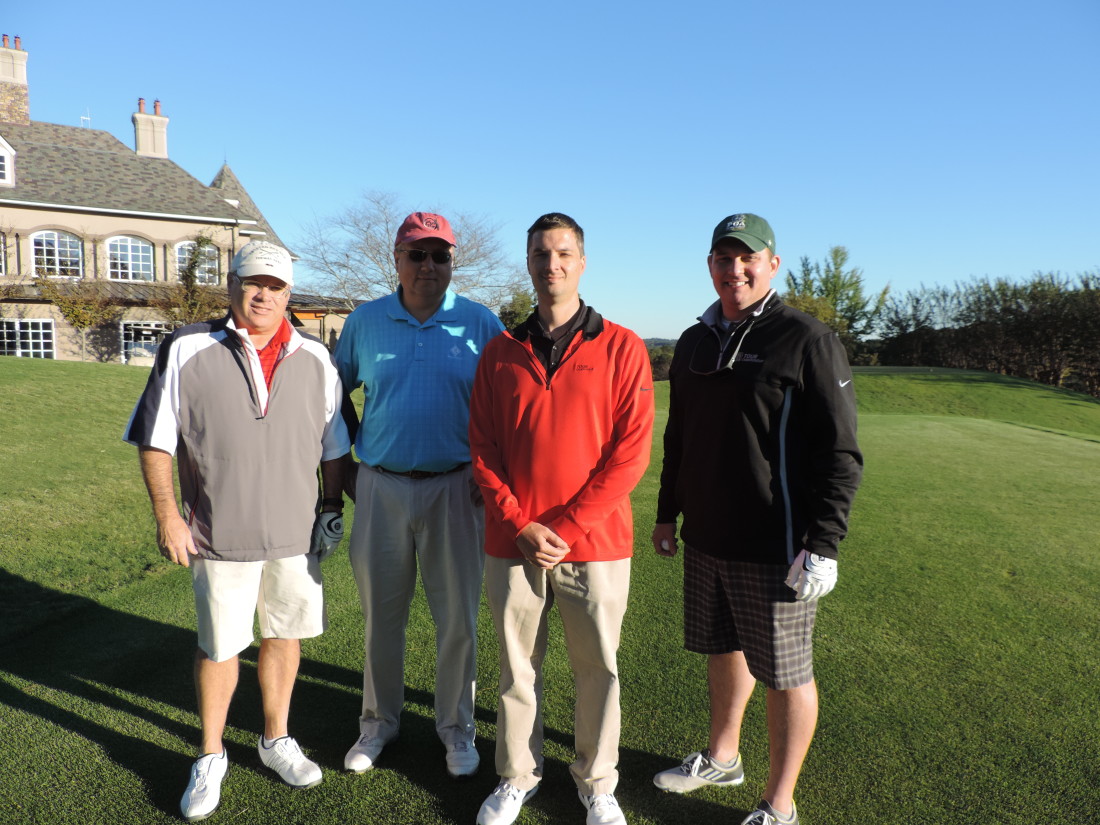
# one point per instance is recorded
(273, 351)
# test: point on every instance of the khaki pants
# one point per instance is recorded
(400, 522)
(591, 599)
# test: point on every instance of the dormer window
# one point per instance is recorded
(7, 164)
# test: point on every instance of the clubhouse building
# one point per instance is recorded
(83, 214)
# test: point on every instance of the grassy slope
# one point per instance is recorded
(957, 659)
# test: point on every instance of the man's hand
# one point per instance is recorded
(811, 576)
(328, 530)
(175, 540)
(664, 540)
(541, 546)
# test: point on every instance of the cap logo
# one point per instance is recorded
(736, 222)
(431, 223)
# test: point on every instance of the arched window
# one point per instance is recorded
(208, 269)
(129, 259)
(57, 255)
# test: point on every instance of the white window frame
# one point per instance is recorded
(209, 270)
(57, 254)
(129, 254)
(27, 337)
(149, 330)
(3, 255)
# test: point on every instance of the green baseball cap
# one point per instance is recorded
(751, 230)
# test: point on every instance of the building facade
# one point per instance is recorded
(84, 217)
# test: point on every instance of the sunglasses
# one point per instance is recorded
(418, 256)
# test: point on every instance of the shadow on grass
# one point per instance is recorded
(92, 658)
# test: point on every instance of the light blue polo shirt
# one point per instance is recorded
(416, 380)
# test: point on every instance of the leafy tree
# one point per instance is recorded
(660, 359)
(352, 254)
(84, 303)
(517, 308)
(1046, 329)
(835, 296)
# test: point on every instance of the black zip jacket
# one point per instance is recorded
(760, 448)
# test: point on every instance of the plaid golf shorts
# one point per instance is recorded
(731, 605)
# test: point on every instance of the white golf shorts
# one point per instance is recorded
(286, 593)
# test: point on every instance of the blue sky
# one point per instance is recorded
(938, 141)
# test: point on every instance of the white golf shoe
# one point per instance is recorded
(204, 791)
(285, 758)
(603, 809)
(502, 806)
(363, 755)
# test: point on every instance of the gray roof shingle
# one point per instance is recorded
(88, 168)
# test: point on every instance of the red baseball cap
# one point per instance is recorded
(421, 225)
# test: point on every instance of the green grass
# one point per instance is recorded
(957, 660)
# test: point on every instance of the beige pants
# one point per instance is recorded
(438, 525)
(591, 599)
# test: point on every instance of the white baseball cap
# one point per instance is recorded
(263, 258)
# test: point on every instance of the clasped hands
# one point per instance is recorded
(541, 546)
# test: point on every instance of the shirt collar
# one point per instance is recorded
(714, 319)
(398, 311)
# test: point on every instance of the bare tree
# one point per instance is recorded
(351, 254)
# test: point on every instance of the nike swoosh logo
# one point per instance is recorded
(846, 383)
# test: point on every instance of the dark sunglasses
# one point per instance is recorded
(418, 256)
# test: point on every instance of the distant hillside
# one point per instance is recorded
(659, 342)
(926, 391)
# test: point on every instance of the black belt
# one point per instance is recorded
(420, 474)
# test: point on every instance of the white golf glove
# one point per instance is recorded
(328, 529)
(811, 576)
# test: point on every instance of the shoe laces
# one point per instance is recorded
(460, 747)
(760, 818)
(505, 791)
(690, 766)
(602, 801)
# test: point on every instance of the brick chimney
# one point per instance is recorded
(150, 131)
(15, 104)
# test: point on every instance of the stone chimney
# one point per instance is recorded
(15, 104)
(150, 131)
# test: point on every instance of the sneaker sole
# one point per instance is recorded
(725, 784)
(307, 785)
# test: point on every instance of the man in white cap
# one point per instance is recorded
(249, 408)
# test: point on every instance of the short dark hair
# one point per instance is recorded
(557, 220)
